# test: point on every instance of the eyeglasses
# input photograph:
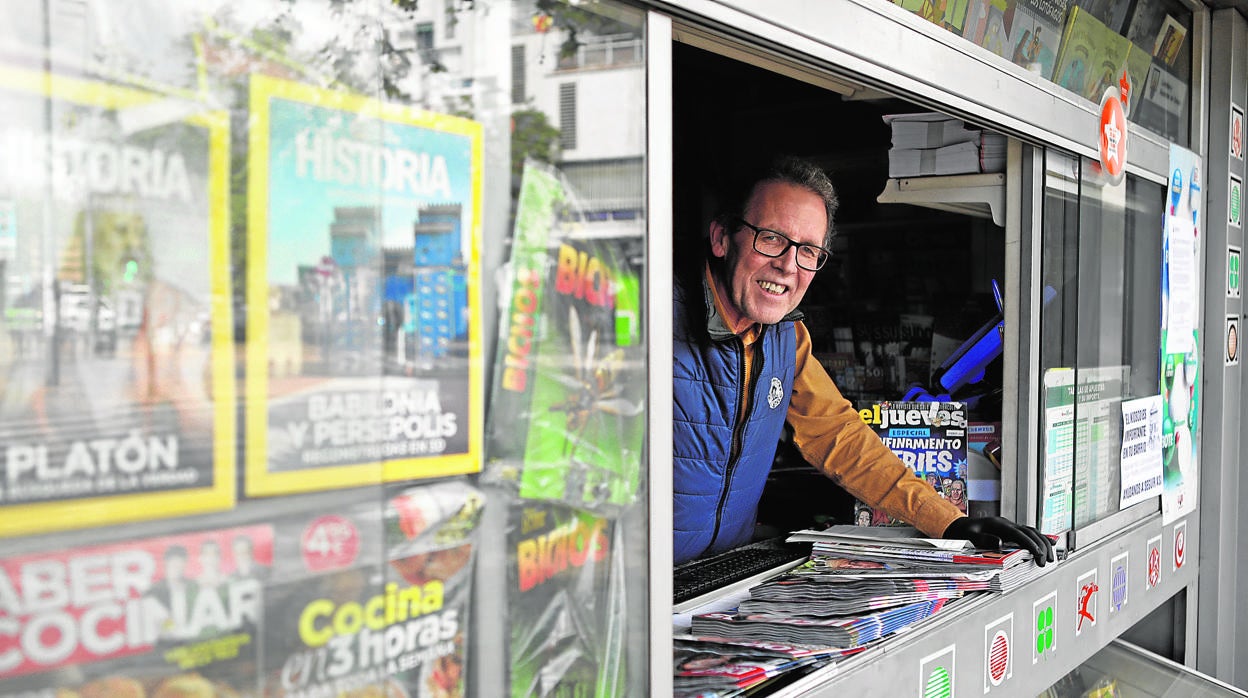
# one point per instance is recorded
(770, 243)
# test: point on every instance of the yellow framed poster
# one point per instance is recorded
(117, 399)
(363, 326)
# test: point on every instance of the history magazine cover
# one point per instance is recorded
(171, 616)
(930, 437)
(569, 382)
(566, 600)
(362, 311)
(116, 349)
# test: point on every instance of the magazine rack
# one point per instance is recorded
(980, 195)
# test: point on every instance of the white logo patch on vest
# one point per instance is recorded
(776, 393)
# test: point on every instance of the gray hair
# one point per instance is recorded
(790, 170)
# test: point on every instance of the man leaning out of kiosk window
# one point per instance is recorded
(743, 367)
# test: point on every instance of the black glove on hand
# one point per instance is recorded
(991, 531)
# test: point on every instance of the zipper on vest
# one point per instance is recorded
(738, 430)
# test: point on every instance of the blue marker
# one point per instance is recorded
(1193, 194)
(1176, 189)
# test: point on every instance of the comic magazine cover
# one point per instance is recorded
(931, 438)
(172, 616)
(566, 600)
(567, 409)
(363, 322)
(988, 24)
(1092, 57)
(116, 349)
(1037, 34)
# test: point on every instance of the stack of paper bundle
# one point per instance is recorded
(936, 144)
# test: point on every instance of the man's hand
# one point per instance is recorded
(991, 531)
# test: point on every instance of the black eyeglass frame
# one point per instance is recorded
(790, 242)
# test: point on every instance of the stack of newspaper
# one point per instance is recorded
(862, 583)
(929, 143)
(827, 631)
(714, 667)
(898, 552)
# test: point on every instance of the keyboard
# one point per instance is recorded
(702, 576)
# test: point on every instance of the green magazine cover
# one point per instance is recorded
(567, 420)
(1091, 58)
(565, 603)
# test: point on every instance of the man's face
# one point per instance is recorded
(765, 289)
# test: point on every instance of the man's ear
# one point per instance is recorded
(720, 239)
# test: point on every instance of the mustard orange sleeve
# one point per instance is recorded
(831, 436)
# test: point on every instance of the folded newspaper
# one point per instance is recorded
(849, 631)
(896, 536)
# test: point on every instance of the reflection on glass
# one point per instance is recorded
(321, 187)
(1086, 46)
(1101, 258)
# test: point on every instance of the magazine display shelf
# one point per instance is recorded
(980, 195)
(957, 642)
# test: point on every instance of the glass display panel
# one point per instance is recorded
(322, 362)
(1100, 329)
(1122, 669)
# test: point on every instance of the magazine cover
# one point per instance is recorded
(1138, 64)
(1036, 35)
(325, 565)
(988, 24)
(566, 600)
(363, 324)
(171, 616)
(371, 598)
(930, 437)
(1111, 13)
(567, 407)
(1092, 57)
(116, 349)
(949, 14)
(431, 543)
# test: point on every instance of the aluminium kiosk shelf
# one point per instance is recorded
(959, 648)
(980, 195)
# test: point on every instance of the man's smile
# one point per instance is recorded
(773, 288)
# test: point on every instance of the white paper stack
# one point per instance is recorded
(936, 144)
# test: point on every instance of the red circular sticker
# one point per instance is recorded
(1113, 134)
(998, 658)
(329, 543)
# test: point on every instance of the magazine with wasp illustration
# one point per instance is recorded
(565, 602)
(567, 412)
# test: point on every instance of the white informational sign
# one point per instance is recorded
(1181, 318)
(1141, 450)
(1182, 373)
(1059, 451)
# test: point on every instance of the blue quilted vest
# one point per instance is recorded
(716, 495)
